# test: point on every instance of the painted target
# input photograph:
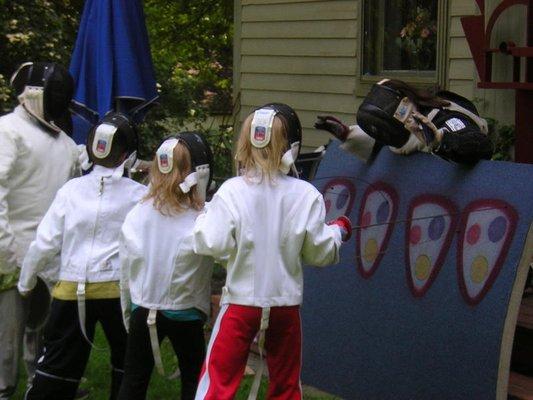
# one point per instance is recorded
(428, 237)
(377, 214)
(487, 229)
(339, 196)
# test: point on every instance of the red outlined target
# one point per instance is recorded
(339, 196)
(486, 231)
(379, 208)
(428, 237)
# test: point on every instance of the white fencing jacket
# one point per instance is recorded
(265, 230)
(33, 166)
(159, 269)
(83, 225)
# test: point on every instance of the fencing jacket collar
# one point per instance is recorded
(112, 173)
(22, 113)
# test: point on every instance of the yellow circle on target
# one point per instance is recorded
(479, 269)
(371, 250)
(422, 267)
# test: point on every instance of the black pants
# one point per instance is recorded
(188, 341)
(66, 351)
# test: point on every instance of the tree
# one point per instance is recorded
(192, 50)
(36, 30)
(191, 43)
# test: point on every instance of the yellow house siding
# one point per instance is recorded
(298, 83)
(306, 53)
(303, 53)
(299, 65)
(461, 68)
(300, 29)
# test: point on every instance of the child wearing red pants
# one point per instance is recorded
(264, 224)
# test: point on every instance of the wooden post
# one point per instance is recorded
(524, 126)
(524, 104)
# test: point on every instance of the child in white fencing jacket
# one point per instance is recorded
(82, 225)
(165, 285)
(266, 224)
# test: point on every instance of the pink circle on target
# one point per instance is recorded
(366, 220)
(473, 234)
(415, 234)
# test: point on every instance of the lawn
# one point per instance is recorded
(97, 378)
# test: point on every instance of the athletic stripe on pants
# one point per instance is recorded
(227, 353)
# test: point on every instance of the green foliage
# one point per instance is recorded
(192, 51)
(503, 137)
(97, 377)
(191, 45)
(34, 30)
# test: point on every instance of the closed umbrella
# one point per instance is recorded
(111, 63)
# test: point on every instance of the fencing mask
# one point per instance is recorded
(45, 90)
(201, 160)
(110, 139)
(262, 127)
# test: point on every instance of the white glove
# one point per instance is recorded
(415, 125)
(412, 145)
(83, 157)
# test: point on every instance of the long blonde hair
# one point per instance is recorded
(164, 189)
(251, 160)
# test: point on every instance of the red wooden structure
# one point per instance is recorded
(479, 40)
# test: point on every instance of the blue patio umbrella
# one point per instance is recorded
(111, 63)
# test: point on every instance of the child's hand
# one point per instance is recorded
(25, 289)
(345, 225)
(25, 293)
(332, 125)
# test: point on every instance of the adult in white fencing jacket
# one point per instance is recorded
(34, 164)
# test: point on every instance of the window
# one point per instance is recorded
(403, 39)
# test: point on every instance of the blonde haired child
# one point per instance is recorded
(166, 284)
(266, 224)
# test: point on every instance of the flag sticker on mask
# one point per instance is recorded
(101, 146)
(455, 124)
(260, 133)
(165, 155)
(103, 140)
(261, 129)
(163, 159)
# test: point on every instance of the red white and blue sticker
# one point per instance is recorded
(261, 128)
(163, 160)
(101, 146)
(429, 234)
(103, 140)
(165, 155)
(379, 208)
(339, 196)
(486, 232)
(259, 133)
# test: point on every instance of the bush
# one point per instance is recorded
(503, 138)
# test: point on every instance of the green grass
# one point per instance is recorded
(98, 379)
